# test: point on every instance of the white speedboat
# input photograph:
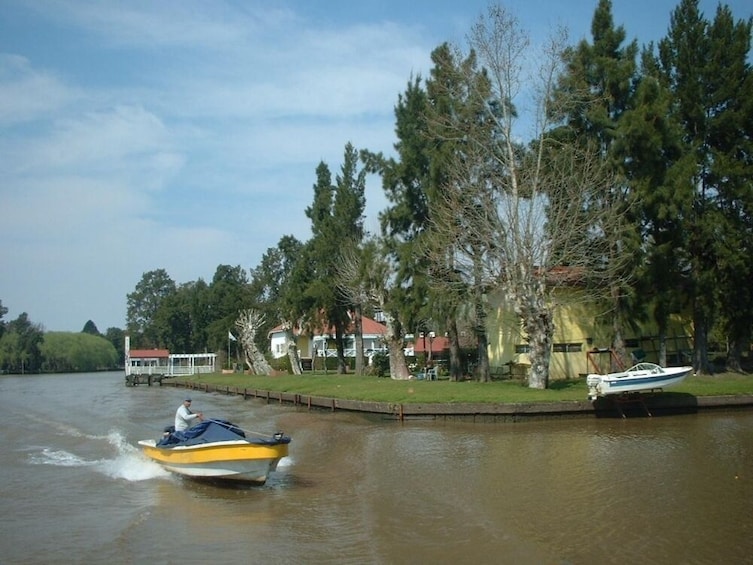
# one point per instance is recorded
(638, 378)
(217, 449)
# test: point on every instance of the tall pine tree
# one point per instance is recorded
(705, 65)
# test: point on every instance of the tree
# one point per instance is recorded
(270, 280)
(348, 214)
(365, 276)
(248, 323)
(77, 352)
(459, 94)
(173, 321)
(90, 328)
(730, 173)
(274, 296)
(228, 295)
(714, 112)
(143, 304)
(20, 346)
(595, 91)
(352, 288)
(116, 336)
(406, 184)
(530, 207)
(336, 219)
(657, 169)
(3, 312)
(411, 182)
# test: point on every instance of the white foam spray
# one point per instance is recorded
(128, 463)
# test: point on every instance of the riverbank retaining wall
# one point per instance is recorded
(644, 405)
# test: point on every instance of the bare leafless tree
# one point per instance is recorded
(291, 347)
(248, 323)
(521, 220)
(364, 275)
(349, 273)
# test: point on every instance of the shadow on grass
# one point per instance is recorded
(568, 384)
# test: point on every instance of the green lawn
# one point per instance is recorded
(386, 390)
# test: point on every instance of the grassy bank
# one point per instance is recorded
(504, 391)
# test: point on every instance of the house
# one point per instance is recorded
(582, 340)
(158, 363)
(322, 342)
(428, 345)
(580, 344)
(146, 361)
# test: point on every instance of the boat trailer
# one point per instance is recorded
(627, 399)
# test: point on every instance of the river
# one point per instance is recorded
(357, 489)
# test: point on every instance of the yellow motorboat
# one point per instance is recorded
(218, 449)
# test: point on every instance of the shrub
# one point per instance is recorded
(381, 364)
(281, 364)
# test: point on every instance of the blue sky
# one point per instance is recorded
(185, 134)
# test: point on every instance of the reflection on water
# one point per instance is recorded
(362, 490)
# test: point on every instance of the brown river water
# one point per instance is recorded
(357, 489)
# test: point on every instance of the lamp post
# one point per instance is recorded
(422, 335)
(431, 341)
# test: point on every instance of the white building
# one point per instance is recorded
(322, 342)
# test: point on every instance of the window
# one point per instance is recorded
(567, 347)
(525, 348)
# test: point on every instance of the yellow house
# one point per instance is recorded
(582, 340)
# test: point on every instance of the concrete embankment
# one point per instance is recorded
(634, 405)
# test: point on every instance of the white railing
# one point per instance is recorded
(347, 352)
(333, 352)
(200, 370)
(147, 370)
(171, 371)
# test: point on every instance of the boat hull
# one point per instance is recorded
(227, 460)
(641, 378)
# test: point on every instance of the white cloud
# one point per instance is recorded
(187, 136)
(28, 94)
(100, 142)
(146, 24)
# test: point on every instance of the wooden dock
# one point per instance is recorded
(144, 379)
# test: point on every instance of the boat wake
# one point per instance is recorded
(126, 463)
(285, 463)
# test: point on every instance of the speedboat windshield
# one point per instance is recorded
(650, 367)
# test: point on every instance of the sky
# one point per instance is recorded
(185, 134)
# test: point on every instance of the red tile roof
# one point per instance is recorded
(439, 343)
(372, 327)
(149, 353)
(369, 327)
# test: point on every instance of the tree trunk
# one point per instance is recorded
(701, 363)
(619, 349)
(662, 349)
(248, 324)
(342, 367)
(398, 366)
(618, 341)
(734, 355)
(295, 358)
(539, 326)
(358, 330)
(394, 338)
(482, 343)
(456, 362)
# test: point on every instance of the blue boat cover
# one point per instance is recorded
(213, 430)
